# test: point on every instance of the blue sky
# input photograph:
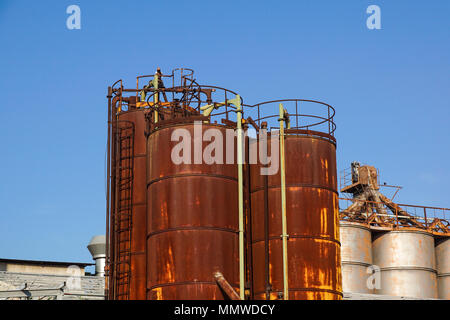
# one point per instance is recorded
(390, 89)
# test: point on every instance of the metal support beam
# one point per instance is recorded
(284, 235)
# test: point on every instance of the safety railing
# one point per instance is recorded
(345, 177)
(432, 219)
(303, 117)
(163, 94)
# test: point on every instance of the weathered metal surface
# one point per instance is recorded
(226, 287)
(168, 105)
(314, 262)
(407, 262)
(370, 206)
(443, 267)
(356, 256)
(136, 288)
(192, 226)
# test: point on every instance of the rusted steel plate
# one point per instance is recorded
(192, 225)
(310, 212)
(200, 201)
(138, 256)
(195, 291)
(312, 269)
(160, 147)
(309, 161)
(185, 257)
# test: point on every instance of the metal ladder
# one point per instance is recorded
(123, 216)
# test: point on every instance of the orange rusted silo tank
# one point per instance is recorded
(126, 236)
(192, 215)
(311, 199)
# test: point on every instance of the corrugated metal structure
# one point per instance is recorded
(409, 243)
(298, 205)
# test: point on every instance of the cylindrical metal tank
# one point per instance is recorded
(313, 248)
(192, 226)
(138, 229)
(356, 256)
(407, 263)
(443, 267)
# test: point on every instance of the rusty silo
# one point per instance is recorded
(128, 108)
(192, 214)
(294, 213)
(356, 256)
(127, 198)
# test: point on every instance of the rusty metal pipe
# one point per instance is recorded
(266, 237)
(225, 286)
(108, 176)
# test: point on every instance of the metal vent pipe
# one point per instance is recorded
(97, 248)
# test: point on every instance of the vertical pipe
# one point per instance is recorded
(226, 106)
(425, 216)
(283, 206)
(266, 235)
(113, 191)
(156, 98)
(108, 176)
(240, 199)
(116, 220)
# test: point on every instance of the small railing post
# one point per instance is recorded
(425, 217)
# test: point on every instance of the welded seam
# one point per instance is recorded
(412, 268)
(356, 263)
(184, 175)
(301, 237)
(305, 289)
(303, 185)
(183, 283)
